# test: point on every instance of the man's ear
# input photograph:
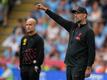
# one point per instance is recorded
(85, 15)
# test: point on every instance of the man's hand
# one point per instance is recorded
(88, 71)
(41, 7)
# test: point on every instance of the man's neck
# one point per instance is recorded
(31, 33)
(82, 23)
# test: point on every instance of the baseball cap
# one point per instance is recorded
(79, 10)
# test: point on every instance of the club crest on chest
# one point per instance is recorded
(78, 36)
(24, 41)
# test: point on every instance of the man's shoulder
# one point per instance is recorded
(89, 27)
(24, 37)
(38, 37)
(89, 30)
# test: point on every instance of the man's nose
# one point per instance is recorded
(27, 26)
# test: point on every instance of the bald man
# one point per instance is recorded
(31, 52)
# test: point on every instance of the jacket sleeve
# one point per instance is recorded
(68, 25)
(40, 51)
(91, 47)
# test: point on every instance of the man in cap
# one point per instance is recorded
(81, 47)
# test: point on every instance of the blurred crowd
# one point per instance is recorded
(5, 9)
(56, 37)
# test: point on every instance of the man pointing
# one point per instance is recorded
(80, 54)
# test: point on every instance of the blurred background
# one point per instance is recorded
(13, 14)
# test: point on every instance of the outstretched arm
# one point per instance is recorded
(68, 25)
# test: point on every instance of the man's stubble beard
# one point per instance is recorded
(30, 32)
(77, 21)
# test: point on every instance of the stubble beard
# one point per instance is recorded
(77, 21)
